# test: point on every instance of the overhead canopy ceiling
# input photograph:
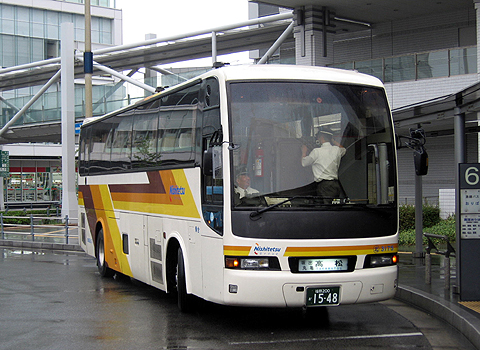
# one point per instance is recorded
(378, 11)
(436, 116)
(200, 46)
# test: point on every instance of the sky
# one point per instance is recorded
(166, 18)
(171, 17)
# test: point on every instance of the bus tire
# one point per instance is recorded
(102, 265)
(185, 301)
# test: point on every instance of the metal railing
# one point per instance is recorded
(56, 229)
(450, 251)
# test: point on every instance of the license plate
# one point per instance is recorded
(323, 296)
(322, 265)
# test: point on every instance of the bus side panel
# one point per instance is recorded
(85, 239)
(194, 263)
(99, 209)
(156, 261)
(213, 267)
(135, 244)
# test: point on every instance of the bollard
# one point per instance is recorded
(447, 272)
(428, 268)
(66, 229)
(446, 261)
(428, 261)
(450, 250)
(31, 227)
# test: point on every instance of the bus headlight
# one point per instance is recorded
(378, 260)
(252, 263)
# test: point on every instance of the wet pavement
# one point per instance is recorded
(433, 298)
(57, 300)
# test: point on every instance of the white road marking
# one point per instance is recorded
(374, 336)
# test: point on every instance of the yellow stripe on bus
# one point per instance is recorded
(161, 203)
(80, 198)
(321, 251)
(346, 250)
(236, 250)
(113, 241)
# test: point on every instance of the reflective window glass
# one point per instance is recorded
(371, 67)
(432, 64)
(400, 68)
(463, 61)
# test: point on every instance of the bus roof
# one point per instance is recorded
(295, 72)
(268, 72)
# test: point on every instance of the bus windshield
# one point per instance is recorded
(315, 145)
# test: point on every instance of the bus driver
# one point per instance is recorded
(325, 161)
(242, 187)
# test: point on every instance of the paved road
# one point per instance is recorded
(57, 300)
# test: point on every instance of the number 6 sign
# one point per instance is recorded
(469, 176)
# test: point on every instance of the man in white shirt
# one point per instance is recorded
(325, 161)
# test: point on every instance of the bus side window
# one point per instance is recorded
(144, 138)
(84, 152)
(98, 155)
(122, 142)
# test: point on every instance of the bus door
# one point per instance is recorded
(212, 191)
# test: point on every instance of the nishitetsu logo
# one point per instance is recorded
(177, 190)
(265, 250)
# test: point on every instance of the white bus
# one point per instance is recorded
(200, 189)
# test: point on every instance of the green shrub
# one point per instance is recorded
(431, 216)
(443, 227)
(25, 220)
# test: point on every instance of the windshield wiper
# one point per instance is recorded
(260, 211)
(263, 210)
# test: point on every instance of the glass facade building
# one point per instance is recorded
(30, 33)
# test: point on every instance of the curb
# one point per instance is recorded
(39, 245)
(455, 315)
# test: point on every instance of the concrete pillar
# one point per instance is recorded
(314, 31)
(69, 196)
(477, 12)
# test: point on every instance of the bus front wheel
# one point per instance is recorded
(102, 265)
(185, 301)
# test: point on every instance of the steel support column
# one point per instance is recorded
(69, 197)
(418, 218)
(31, 102)
(276, 45)
(459, 130)
(124, 77)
